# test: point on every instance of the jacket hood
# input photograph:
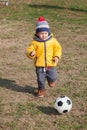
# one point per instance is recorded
(36, 38)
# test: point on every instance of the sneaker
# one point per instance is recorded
(51, 84)
(41, 93)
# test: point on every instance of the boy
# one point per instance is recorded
(45, 50)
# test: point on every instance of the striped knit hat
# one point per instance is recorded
(42, 25)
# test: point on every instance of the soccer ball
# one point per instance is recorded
(63, 104)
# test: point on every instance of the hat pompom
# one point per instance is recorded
(40, 19)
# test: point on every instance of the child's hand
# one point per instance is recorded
(32, 53)
(56, 59)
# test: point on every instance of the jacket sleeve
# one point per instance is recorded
(29, 49)
(57, 49)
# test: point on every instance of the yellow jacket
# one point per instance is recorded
(45, 51)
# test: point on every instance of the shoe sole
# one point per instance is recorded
(41, 96)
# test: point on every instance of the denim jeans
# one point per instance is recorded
(48, 73)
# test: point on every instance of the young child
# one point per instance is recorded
(45, 50)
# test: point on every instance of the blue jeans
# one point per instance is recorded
(48, 73)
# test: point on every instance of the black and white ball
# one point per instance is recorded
(63, 104)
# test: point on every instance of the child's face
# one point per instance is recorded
(43, 35)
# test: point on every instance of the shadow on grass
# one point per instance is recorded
(48, 110)
(57, 7)
(11, 84)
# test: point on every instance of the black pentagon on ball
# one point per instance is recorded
(60, 103)
(65, 111)
(68, 102)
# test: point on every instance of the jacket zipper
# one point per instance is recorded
(45, 53)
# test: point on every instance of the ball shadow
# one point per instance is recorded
(48, 110)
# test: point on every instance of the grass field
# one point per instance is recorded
(19, 108)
